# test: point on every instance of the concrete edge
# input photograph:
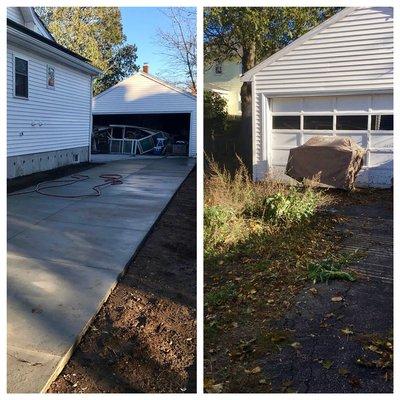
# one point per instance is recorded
(64, 360)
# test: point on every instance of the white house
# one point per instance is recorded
(336, 79)
(145, 100)
(49, 94)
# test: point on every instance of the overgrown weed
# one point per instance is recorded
(237, 208)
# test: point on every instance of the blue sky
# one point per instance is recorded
(140, 25)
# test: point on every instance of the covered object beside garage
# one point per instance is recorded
(144, 100)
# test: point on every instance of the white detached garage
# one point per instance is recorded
(144, 100)
(335, 80)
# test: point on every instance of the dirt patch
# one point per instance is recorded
(23, 182)
(143, 339)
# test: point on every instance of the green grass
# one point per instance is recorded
(332, 268)
(221, 295)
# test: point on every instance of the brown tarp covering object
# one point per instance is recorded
(332, 160)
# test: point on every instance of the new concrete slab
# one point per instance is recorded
(28, 370)
(46, 309)
(65, 255)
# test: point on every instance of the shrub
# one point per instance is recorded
(215, 114)
(216, 225)
(294, 206)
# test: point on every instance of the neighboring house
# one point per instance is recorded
(224, 79)
(144, 100)
(49, 93)
(336, 79)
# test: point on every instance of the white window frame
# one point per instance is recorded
(47, 77)
(25, 58)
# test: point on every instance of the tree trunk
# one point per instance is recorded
(248, 62)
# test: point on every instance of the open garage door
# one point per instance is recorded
(367, 119)
(177, 125)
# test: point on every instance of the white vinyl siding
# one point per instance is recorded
(193, 134)
(140, 94)
(50, 119)
(354, 52)
(14, 13)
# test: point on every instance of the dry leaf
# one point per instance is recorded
(347, 331)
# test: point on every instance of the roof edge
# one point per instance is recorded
(25, 37)
(248, 76)
(148, 76)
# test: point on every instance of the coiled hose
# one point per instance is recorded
(109, 179)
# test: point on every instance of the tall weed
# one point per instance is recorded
(237, 207)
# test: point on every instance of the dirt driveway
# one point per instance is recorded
(266, 332)
(343, 330)
(144, 337)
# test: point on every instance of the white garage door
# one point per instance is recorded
(367, 119)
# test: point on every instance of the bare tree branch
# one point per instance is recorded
(180, 42)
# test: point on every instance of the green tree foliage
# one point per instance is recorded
(96, 34)
(215, 114)
(254, 33)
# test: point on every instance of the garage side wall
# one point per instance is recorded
(52, 127)
(193, 134)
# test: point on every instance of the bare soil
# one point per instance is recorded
(143, 340)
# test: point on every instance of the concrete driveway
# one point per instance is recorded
(65, 255)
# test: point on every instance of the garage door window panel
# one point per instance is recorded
(318, 122)
(286, 122)
(381, 122)
(352, 122)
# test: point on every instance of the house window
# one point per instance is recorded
(50, 77)
(286, 122)
(382, 122)
(352, 122)
(20, 77)
(218, 69)
(321, 122)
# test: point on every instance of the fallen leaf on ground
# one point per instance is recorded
(255, 370)
(327, 364)
(216, 388)
(337, 299)
(347, 331)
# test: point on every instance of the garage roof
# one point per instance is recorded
(143, 93)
